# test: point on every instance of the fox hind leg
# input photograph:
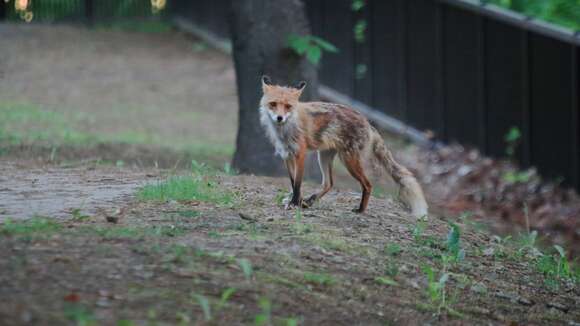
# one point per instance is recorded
(325, 159)
(355, 168)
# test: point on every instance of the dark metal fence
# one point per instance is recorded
(465, 71)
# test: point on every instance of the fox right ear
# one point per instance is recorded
(266, 80)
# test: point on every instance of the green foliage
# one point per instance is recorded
(79, 314)
(512, 139)
(513, 177)
(319, 279)
(199, 186)
(280, 195)
(393, 249)
(311, 46)
(246, 267)
(29, 227)
(26, 123)
(360, 70)
(561, 12)
(205, 306)
(298, 226)
(77, 215)
(527, 244)
(418, 230)
(457, 254)
(437, 291)
(265, 315)
(357, 5)
(360, 30)
(229, 169)
(226, 295)
(385, 280)
(557, 267)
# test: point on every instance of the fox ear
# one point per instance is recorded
(266, 83)
(301, 85)
(266, 80)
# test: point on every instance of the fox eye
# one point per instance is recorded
(272, 105)
(288, 107)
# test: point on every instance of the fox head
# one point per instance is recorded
(280, 102)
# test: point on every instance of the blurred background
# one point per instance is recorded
(480, 98)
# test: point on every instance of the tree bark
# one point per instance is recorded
(260, 30)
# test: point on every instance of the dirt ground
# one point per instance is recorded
(138, 107)
(327, 266)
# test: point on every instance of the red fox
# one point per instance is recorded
(296, 127)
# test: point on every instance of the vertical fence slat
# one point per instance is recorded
(526, 144)
(337, 69)
(575, 114)
(424, 109)
(551, 113)
(462, 77)
(441, 83)
(387, 40)
(481, 90)
(403, 72)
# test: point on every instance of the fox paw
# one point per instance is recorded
(291, 205)
(358, 210)
(307, 203)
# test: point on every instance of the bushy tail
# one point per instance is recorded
(410, 191)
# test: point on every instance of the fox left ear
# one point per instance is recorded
(301, 85)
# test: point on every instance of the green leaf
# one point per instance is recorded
(291, 322)
(325, 45)
(204, 304)
(453, 238)
(299, 43)
(313, 54)
(260, 320)
(246, 266)
(560, 250)
(357, 5)
(443, 279)
(225, 297)
(513, 135)
(384, 280)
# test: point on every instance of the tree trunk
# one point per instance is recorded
(260, 30)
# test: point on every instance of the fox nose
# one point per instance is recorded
(280, 118)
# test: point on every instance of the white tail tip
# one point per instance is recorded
(412, 195)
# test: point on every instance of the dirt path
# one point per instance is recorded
(28, 190)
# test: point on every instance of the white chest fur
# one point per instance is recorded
(283, 137)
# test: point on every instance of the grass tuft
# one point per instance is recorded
(199, 186)
(29, 227)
